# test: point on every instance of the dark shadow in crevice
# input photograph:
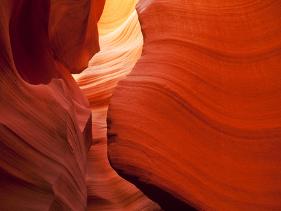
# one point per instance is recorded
(30, 43)
(165, 200)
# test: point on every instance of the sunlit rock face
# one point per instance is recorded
(45, 123)
(194, 117)
(199, 116)
(121, 43)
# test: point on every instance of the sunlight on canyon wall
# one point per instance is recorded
(121, 43)
(179, 106)
(115, 13)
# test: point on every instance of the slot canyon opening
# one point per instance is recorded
(195, 125)
(121, 43)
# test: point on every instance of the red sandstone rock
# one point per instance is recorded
(120, 47)
(199, 116)
(45, 123)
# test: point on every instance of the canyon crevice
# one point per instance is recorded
(140, 105)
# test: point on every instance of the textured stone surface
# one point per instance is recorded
(199, 115)
(198, 118)
(121, 45)
(45, 122)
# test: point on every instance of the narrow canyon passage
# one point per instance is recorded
(121, 41)
(133, 105)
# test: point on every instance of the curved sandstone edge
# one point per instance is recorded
(121, 45)
(114, 15)
(45, 123)
(199, 116)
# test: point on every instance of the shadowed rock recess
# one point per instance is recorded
(45, 122)
(126, 105)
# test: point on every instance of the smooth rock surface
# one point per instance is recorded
(121, 45)
(199, 116)
(45, 121)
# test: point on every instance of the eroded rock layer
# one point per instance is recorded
(45, 123)
(199, 116)
(121, 45)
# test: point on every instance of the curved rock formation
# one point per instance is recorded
(121, 45)
(45, 123)
(115, 13)
(197, 123)
(199, 116)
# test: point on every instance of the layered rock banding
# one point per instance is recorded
(45, 122)
(199, 115)
(196, 123)
(120, 47)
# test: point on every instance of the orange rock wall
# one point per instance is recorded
(199, 116)
(121, 43)
(196, 115)
(45, 122)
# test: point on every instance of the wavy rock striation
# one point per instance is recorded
(121, 45)
(45, 123)
(199, 116)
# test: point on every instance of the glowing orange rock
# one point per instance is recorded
(199, 116)
(121, 45)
